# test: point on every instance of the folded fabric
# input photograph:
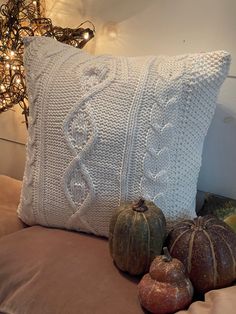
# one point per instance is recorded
(216, 302)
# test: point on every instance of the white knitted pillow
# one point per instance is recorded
(106, 129)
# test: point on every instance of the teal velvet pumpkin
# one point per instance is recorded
(136, 236)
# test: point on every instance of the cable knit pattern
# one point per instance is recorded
(80, 132)
(104, 130)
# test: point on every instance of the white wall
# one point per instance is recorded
(168, 27)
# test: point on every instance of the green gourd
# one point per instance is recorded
(231, 221)
(136, 235)
(222, 207)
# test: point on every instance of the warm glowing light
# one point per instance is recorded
(20, 18)
(110, 30)
(112, 34)
(86, 35)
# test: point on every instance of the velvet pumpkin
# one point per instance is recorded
(207, 248)
(136, 235)
(166, 288)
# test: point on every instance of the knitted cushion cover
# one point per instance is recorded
(106, 130)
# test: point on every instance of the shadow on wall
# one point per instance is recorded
(218, 171)
(105, 10)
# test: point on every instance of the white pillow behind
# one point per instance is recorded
(104, 130)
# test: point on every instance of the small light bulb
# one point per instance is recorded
(18, 81)
(12, 53)
(112, 34)
(34, 2)
(110, 29)
(2, 87)
(86, 35)
(14, 67)
(7, 65)
(7, 57)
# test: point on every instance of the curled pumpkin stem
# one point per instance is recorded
(140, 206)
(167, 257)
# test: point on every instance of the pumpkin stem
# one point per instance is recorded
(199, 221)
(167, 257)
(140, 206)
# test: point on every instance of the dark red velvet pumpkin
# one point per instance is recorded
(207, 248)
(166, 288)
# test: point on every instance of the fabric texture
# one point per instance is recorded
(10, 190)
(106, 130)
(9, 199)
(50, 271)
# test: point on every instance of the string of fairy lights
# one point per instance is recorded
(18, 19)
